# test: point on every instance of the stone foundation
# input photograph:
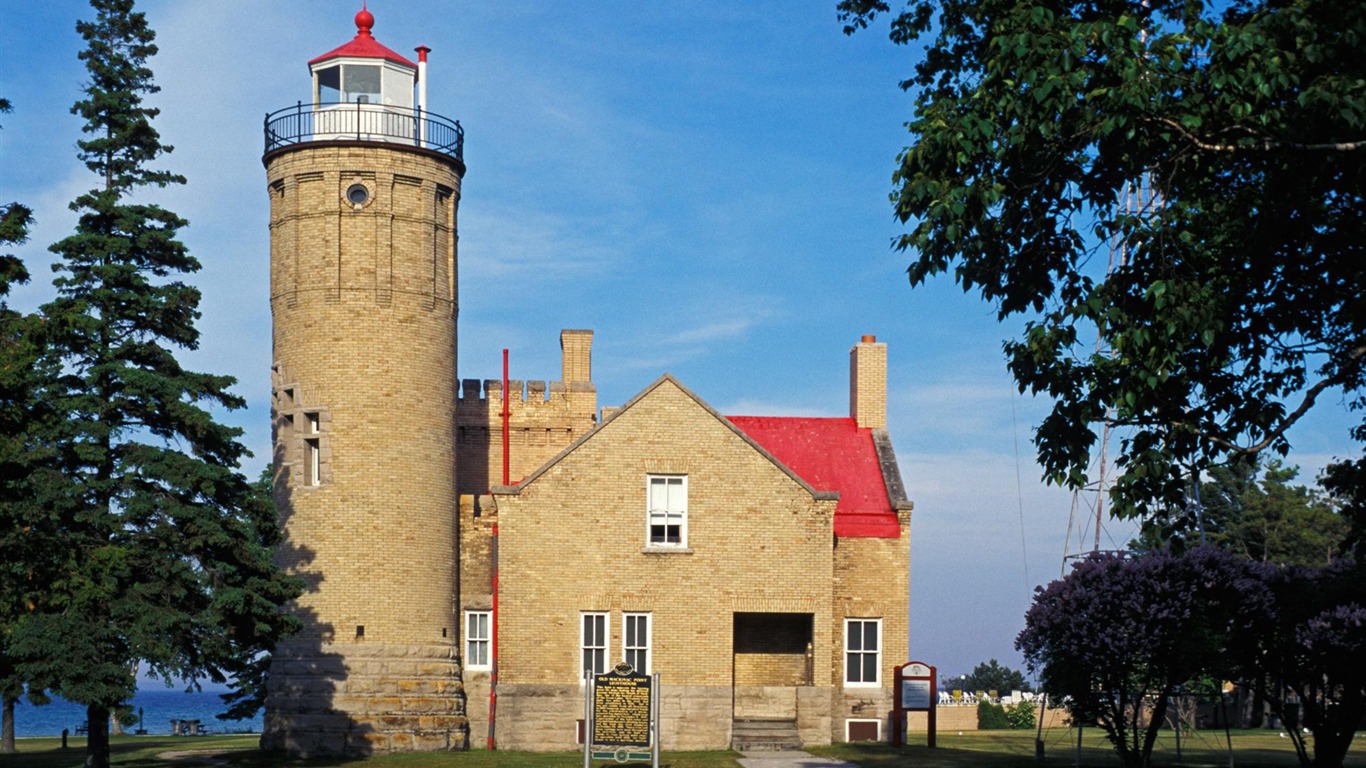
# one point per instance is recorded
(361, 699)
(544, 718)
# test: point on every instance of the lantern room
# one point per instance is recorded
(364, 71)
(365, 91)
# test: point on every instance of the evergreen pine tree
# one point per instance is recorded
(15, 362)
(165, 547)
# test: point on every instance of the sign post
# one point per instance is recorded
(621, 717)
(917, 690)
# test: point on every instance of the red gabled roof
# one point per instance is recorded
(364, 45)
(831, 455)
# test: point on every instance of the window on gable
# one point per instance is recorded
(635, 641)
(862, 651)
(593, 643)
(477, 640)
(668, 510)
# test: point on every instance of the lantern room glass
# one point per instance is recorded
(349, 83)
(361, 83)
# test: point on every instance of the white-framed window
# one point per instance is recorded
(593, 643)
(635, 641)
(667, 501)
(313, 445)
(862, 652)
(477, 635)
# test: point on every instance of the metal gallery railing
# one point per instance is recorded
(359, 121)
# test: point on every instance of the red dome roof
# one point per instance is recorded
(364, 45)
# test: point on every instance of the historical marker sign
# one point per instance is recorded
(621, 710)
(916, 690)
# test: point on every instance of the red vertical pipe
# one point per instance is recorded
(493, 619)
(506, 414)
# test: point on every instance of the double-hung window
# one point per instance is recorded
(593, 643)
(668, 510)
(635, 641)
(862, 652)
(477, 640)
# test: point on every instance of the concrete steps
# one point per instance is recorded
(758, 735)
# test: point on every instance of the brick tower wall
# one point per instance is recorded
(364, 305)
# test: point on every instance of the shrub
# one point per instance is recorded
(1021, 716)
(991, 717)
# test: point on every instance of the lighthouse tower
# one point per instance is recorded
(364, 184)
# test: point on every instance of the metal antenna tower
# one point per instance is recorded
(1088, 503)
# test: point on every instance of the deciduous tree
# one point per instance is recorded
(1312, 644)
(164, 546)
(1220, 148)
(1118, 635)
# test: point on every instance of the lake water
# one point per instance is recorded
(159, 707)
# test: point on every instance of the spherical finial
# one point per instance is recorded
(365, 21)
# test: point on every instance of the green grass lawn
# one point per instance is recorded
(1015, 749)
(984, 749)
(239, 751)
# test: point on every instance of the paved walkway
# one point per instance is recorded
(790, 760)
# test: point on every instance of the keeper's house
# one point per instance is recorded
(759, 564)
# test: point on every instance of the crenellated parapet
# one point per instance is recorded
(544, 417)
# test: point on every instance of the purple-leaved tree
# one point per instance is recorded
(1119, 634)
(1308, 657)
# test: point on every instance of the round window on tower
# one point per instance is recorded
(357, 195)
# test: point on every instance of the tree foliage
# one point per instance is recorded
(1312, 645)
(1261, 514)
(16, 420)
(163, 548)
(994, 676)
(1220, 149)
(1119, 635)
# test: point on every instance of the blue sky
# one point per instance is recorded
(704, 184)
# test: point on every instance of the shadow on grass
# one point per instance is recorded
(125, 751)
(1015, 749)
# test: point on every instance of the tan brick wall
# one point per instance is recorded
(477, 518)
(956, 717)
(871, 581)
(545, 417)
(363, 301)
(574, 540)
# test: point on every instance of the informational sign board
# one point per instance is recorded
(621, 710)
(915, 695)
(621, 713)
(917, 685)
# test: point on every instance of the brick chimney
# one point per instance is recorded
(868, 383)
(576, 350)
